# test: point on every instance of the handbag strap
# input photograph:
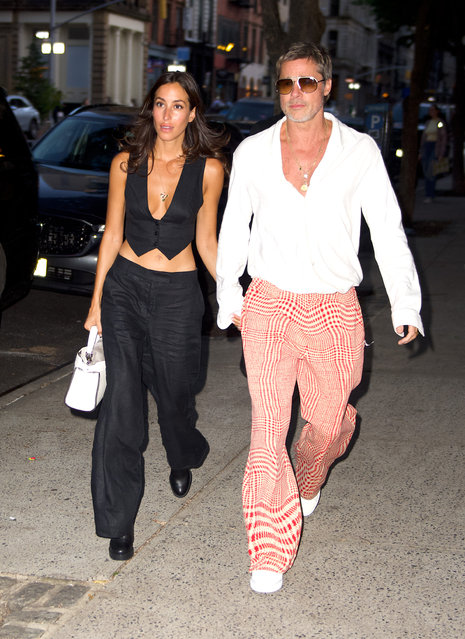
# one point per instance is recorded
(93, 336)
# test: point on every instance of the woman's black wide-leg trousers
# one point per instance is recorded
(151, 328)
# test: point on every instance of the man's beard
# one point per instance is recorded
(303, 117)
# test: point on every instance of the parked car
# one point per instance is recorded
(446, 111)
(18, 205)
(27, 115)
(246, 112)
(73, 160)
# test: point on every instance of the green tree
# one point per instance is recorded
(31, 81)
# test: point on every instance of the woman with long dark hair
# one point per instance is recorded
(163, 193)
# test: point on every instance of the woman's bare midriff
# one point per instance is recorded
(156, 261)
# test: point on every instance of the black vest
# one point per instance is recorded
(176, 228)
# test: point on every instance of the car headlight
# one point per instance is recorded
(41, 267)
(98, 230)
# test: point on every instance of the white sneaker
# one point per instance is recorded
(309, 505)
(266, 581)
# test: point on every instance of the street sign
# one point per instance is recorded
(377, 124)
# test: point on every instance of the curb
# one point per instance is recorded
(36, 385)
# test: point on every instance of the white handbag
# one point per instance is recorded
(89, 377)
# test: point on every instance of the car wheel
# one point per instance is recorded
(33, 129)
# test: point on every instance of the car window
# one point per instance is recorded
(253, 111)
(423, 114)
(16, 102)
(80, 144)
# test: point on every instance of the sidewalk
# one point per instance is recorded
(382, 556)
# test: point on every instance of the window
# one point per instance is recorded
(228, 31)
(245, 42)
(253, 45)
(179, 25)
(18, 103)
(81, 144)
(334, 8)
(78, 32)
(167, 26)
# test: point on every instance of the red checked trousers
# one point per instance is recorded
(318, 341)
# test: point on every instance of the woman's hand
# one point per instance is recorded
(93, 319)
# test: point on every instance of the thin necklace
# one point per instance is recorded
(164, 194)
(305, 172)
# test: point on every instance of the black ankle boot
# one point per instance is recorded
(180, 482)
(121, 548)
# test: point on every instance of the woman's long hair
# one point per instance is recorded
(199, 139)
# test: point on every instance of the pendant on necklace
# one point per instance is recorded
(304, 187)
(163, 196)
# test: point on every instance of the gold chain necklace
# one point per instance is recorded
(306, 172)
(164, 194)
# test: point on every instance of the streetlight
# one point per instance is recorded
(58, 48)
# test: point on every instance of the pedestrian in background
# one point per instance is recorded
(58, 113)
(433, 145)
(306, 181)
(164, 189)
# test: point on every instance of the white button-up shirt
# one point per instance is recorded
(310, 244)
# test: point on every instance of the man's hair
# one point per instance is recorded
(311, 51)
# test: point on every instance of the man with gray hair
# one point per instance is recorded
(306, 181)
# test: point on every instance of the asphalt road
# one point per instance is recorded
(39, 333)
(44, 330)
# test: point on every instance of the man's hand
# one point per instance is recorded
(412, 333)
(237, 322)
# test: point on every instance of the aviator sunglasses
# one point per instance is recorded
(307, 84)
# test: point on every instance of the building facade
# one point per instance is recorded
(117, 52)
(240, 56)
(220, 42)
(351, 38)
(105, 51)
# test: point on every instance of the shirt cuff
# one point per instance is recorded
(229, 304)
(407, 318)
(225, 317)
